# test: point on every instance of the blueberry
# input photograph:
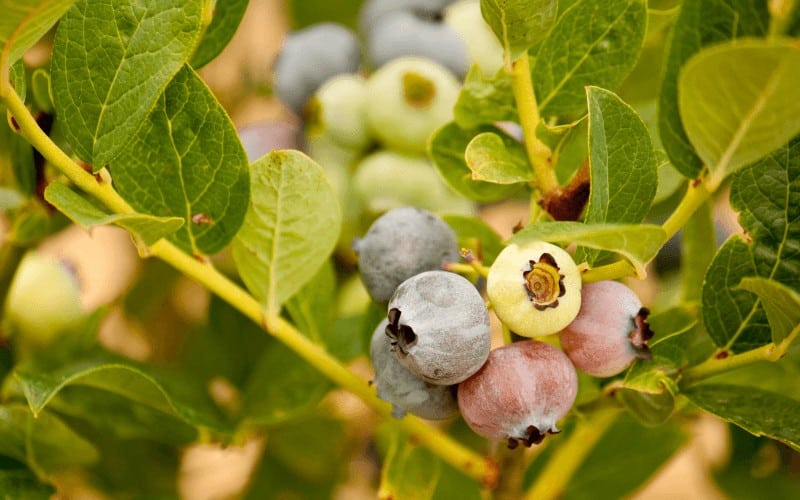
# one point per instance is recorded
(407, 100)
(311, 56)
(338, 111)
(439, 326)
(610, 331)
(399, 244)
(43, 300)
(402, 33)
(259, 139)
(465, 19)
(372, 11)
(404, 390)
(520, 393)
(535, 288)
(413, 180)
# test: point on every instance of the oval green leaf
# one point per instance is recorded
(519, 24)
(700, 23)
(88, 214)
(593, 43)
(738, 102)
(111, 62)
(291, 227)
(23, 23)
(636, 243)
(498, 160)
(446, 148)
(227, 16)
(781, 303)
(186, 161)
(759, 412)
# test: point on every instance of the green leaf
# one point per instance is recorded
(519, 24)
(476, 235)
(229, 346)
(44, 442)
(18, 78)
(781, 304)
(111, 62)
(163, 391)
(738, 102)
(622, 164)
(700, 23)
(648, 408)
(447, 147)
(766, 196)
(281, 387)
(187, 161)
(288, 469)
(759, 412)
(483, 101)
(291, 227)
(623, 170)
(312, 309)
(698, 245)
(89, 214)
(637, 243)
(626, 456)
(227, 16)
(119, 416)
(732, 315)
(25, 485)
(593, 43)
(24, 22)
(496, 159)
(409, 470)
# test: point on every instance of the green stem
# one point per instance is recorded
(613, 271)
(695, 196)
(451, 451)
(570, 454)
(80, 177)
(722, 361)
(539, 154)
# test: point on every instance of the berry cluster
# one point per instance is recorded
(432, 352)
(367, 121)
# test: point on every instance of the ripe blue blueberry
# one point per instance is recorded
(372, 11)
(610, 331)
(399, 244)
(311, 56)
(404, 390)
(520, 393)
(403, 33)
(439, 326)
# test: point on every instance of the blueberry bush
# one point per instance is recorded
(619, 126)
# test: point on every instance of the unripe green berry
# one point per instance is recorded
(386, 180)
(338, 111)
(407, 100)
(535, 288)
(43, 300)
